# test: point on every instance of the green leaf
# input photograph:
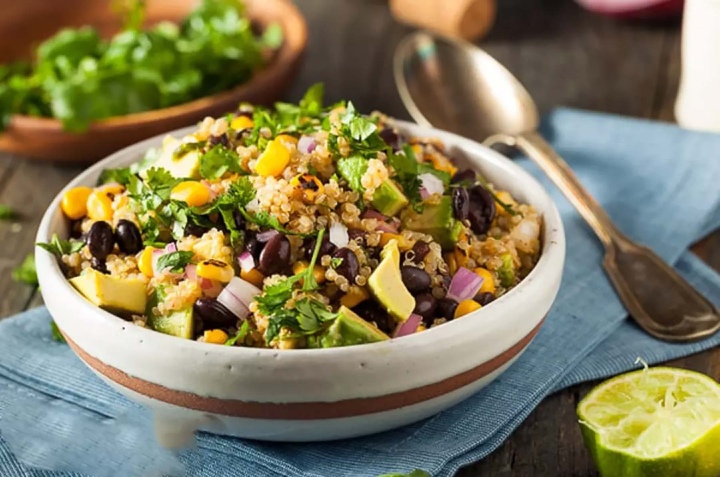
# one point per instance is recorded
(336, 262)
(26, 272)
(6, 212)
(121, 176)
(352, 169)
(265, 220)
(312, 315)
(308, 274)
(175, 261)
(312, 102)
(60, 247)
(219, 160)
(272, 36)
(57, 336)
(406, 167)
(424, 168)
(241, 334)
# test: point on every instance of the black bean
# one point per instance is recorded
(446, 308)
(467, 176)
(99, 265)
(194, 230)
(222, 140)
(326, 248)
(415, 279)
(425, 306)
(100, 240)
(391, 138)
(254, 247)
(484, 298)
(238, 218)
(275, 256)
(420, 249)
(213, 313)
(482, 209)
(349, 267)
(371, 312)
(357, 235)
(461, 203)
(128, 237)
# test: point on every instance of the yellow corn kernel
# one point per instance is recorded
(193, 193)
(488, 284)
(74, 202)
(273, 160)
(215, 336)
(318, 271)
(215, 270)
(241, 122)
(99, 206)
(354, 296)
(308, 185)
(465, 307)
(421, 327)
(417, 149)
(442, 163)
(403, 244)
(253, 276)
(145, 262)
(287, 138)
(451, 262)
(112, 188)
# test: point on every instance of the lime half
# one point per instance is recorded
(659, 422)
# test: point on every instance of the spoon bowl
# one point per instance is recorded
(456, 86)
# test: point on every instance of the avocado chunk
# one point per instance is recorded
(506, 271)
(387, 286)
(388, 199)
(349, 329)
(178, 323)
(115, 294)
(181, 166)
(436, 219)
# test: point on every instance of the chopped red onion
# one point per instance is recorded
(191, 272)
(431, 183)
(408, 326)
(339, 235)
(210, 288)
(424, 194)
(374, 214)
(242, 290)
(246, 261)
(263, 237)
(156, 254)
(170, 248)
(383, 227)
(464, 285)
(233, 303)
(306, 144)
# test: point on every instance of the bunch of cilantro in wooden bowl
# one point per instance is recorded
(109, 77)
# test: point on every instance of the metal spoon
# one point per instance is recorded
(458, 87)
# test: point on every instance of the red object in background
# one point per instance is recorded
(635, 9)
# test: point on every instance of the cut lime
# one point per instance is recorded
(662, 422)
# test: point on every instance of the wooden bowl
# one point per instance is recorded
(26, 23)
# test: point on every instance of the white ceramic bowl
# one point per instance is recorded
(309, 395)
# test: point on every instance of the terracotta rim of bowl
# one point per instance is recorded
(304, 410)
(294, 42)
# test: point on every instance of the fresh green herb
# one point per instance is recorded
(57, 336)
(309, 282)
(508, 208)
(288, 117)
(282, 318)
(60, 247)
(312, 314)
(336, 262)
(360, 132)
(241, 334)
(424, 168)
(406, 167)
(265, 220)
(78, 77)
(26, 272)
(175, 261)
(120, 175)
(219, 160)
(352, 170)
(6, 212)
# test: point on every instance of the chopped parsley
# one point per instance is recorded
(241, 334)
(352, 169)
(121, 175)
(60, 247)
(26, 272)
(406, 170)
(175, 261)
(360, 132)
(218, 161)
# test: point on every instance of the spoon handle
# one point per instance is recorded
(655, 295)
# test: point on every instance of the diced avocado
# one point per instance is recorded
(387, 286)
(178, 323)
(436, 219)
(185, 165)
(388, 199)
(349, 329)
(115, 294)
(506, 272)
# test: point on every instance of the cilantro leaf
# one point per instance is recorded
(219, 160)
(6, 212)
(175, 261)
(406, 167)
(57, 336)
(352, 170)
(312, 315)
(361, 127)
(336, 262)
(282, 318)
(309, 282)
(121, 175)
(241, 334)
(265, 220)
(26, 272)
(272, 36)
(161, 182)
(312, 102)
(60, 247)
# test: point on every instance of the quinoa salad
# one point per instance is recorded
(298, 226)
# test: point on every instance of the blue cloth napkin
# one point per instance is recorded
(658, 182)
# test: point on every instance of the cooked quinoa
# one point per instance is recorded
(301, 226)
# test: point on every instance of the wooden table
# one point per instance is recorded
(563, 55)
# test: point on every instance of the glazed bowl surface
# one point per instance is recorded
(24, 24)
(315, 394)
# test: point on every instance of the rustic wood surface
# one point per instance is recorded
(563, 55)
